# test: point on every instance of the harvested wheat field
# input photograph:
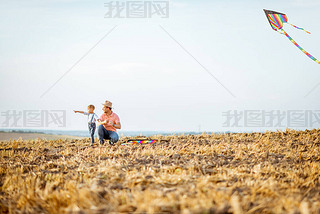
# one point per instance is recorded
(272, 172)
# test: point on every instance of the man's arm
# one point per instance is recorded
(117, 125)
(101, 122)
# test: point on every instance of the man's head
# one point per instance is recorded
(107, 107)
(90, 108)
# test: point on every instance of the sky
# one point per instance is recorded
(180, 73)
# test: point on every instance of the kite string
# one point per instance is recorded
(299, 28)
(296, 44)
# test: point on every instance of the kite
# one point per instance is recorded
(137, 141)
(276, 21)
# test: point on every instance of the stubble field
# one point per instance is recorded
(272, 172)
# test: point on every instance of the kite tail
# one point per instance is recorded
(299, 28)
(305, 52)
(279, 31)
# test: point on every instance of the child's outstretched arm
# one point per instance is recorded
(81, 112)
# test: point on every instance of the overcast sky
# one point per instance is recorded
(162, 74)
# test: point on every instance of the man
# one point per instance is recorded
(109, 124)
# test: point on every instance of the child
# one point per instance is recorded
(92, 118)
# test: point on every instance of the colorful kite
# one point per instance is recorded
(276, 21)
(137, 141)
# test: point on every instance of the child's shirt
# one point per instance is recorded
(92, 117)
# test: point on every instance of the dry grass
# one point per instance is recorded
(273, 172)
